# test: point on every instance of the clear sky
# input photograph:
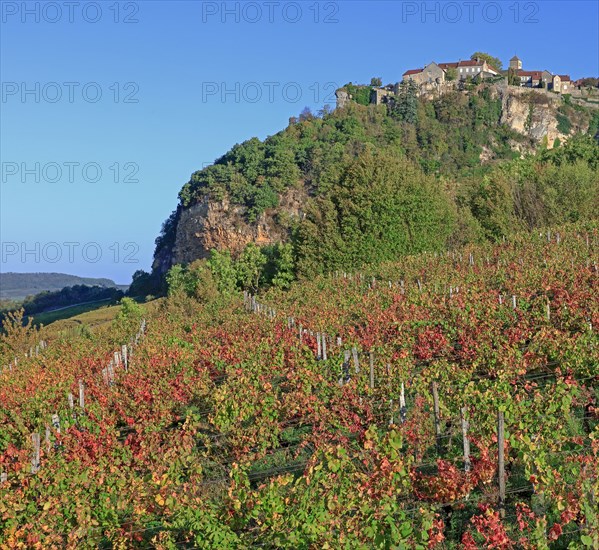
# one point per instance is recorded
(108, 107)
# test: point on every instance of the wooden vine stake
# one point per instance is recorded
(345, 367)
(465, 439)
(354, 352)
(435, 392)
(318, 347)
(125, 357)
(371, 362)
(402, 404)
(81, 394)
(323, 338)
(501, 462)
(35, 460)
(56, 423)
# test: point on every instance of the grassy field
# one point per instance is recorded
(47, 317)
(72, 319)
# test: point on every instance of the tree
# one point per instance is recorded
(176, 279)
(221, 265)
(284, 266)
(383, 207)
(405, 106)
(376, 81)
(512, 78)
(128, 317)
(590, 82)
(451, 73)
(249, 267)
(306, 114)
(16, 334)
(495, 62)
(143, 283)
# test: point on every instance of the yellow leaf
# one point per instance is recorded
(159, 500)
(47, 505)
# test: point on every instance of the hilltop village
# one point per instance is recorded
(436, 78)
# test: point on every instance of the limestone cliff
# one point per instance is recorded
(534, 113)
(219, 224)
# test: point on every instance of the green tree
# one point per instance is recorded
(383, 207)
(177, 280)
(284, 266)
(128, 318)
(512, 77)
(451, 73)
(495, 62)
(405, 106)
(249, 267)
(376, 81)
(223, 269)
(143, 284)
(201, 283)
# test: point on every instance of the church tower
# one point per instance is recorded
(515, 63)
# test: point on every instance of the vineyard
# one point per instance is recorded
(444, 401)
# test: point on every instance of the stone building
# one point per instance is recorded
(540, 79)
(530, 79)
(434, 72)
(429, 74)
(378, 95)
(515, 63)
(567, 86)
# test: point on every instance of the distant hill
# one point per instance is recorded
(17, 286)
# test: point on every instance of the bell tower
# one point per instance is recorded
(515, 63)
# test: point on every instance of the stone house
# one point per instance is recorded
(428, 74)
(475, 68)
(530, 79)
(556, 83)
(567, 85)
(546, 80)
(436, 72)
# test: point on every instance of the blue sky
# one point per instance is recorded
(181, 82)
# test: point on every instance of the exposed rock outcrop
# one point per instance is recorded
(211, 224)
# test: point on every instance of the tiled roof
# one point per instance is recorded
(533, 74)
(412, 71)
(470, 63)
(565, 77)
(448, 65)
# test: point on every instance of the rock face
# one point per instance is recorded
(531, 113)
(210, 224)
(534, 113)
